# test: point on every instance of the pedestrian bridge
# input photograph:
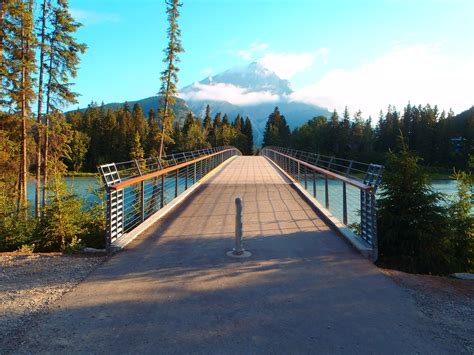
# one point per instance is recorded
(340, 192)
(173, 289)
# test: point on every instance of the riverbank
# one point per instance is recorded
(31, 283)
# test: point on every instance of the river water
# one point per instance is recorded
(83, 186)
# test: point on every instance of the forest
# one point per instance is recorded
(104, 135)
(442, 140)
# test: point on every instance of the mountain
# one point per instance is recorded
(252, 91)
(254, 77)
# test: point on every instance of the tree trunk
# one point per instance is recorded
(165, 111)
(2, 14)
(46, 132)
(39, 116)
(22, 179)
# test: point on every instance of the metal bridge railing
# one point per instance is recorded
(137, 189)
(346, 188)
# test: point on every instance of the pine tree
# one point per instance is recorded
(18, 66)
(207, 119)
(217, 120)
(412, 223)
(45, 8)
(225, 120)
(189, 120)
(153, 136)
(169, 76)
(138, 120)
(248, 132)
(462, 222)
(277, 132)
(63, 59)
(136, 150)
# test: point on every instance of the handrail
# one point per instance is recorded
(157, 173)
(345, 179)
(142, 196)
(355, 208)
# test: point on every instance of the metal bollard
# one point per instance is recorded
(238, 251)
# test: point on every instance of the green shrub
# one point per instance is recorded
(413, 224)
(14, 231)
(62, 224)
(462, 225)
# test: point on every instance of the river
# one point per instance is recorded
(82, 186)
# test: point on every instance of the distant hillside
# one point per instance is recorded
(180, 108)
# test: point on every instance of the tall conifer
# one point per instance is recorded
(169, 77)
(62, 62)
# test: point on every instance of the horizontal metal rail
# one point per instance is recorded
(346, 188)
(151, 184)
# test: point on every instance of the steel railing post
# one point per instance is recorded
(186, 178)
(176, 183)
(142, 200)
(344, 203)
(305, 180)
(298, 172)
(194, 176)
(314, 184)
(108, 236)
(326, 188)
(163, 192)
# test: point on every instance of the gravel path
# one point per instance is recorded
(31, 283)
(447, 302)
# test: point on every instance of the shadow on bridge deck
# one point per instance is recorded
(173, 290)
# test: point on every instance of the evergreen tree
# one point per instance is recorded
(136, 150)
(45, 8)
(207, 119)
(189, 120)
(62, 54)
(462, 222)
(79, 144)
(153, 136)
(225, 120)
(169, 76)
(248, 132)
(217, 120)
(138, 121)
(18, 67)
(412, 223)
(277, 131)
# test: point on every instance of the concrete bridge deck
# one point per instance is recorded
(174, 290)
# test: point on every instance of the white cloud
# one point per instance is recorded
(227, 92)
(254, 48)
(420, 74)
(92, 17)
(286, 65)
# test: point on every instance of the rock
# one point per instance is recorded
(462, 276)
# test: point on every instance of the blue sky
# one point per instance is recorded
(366, 54)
